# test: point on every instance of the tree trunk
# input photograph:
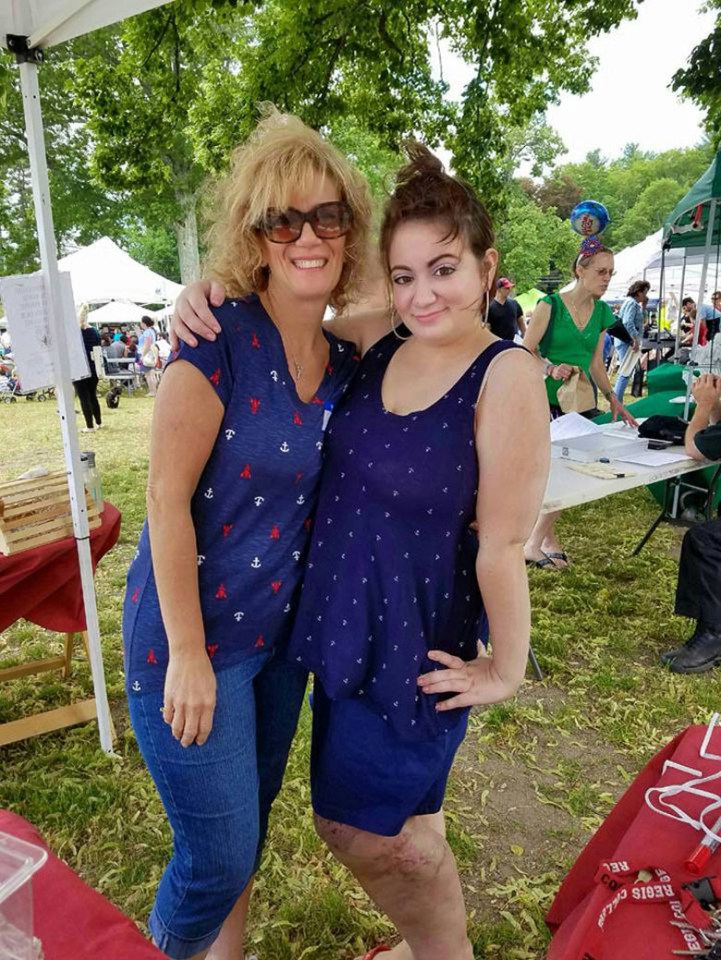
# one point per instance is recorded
(186, 233)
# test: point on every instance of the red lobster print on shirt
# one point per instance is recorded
(245, 472)
(215, 377)
(254, 405)
(220, 593)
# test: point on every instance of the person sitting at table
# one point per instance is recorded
(699, 575)
(567, 331)
(688, 325)
(117, 350)
(631, 316)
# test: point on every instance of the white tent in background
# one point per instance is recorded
(102, 272)
(26, 28)
(643, 262)
(630, 264)
(120, 311)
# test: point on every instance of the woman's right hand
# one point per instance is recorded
(191, 314)
(189, 699)
(562, 371)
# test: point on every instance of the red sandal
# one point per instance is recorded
(382, 948)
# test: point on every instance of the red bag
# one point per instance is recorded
(601, 911)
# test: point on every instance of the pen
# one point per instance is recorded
(327, 410)
(703, 852)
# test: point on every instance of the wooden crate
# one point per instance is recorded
(37, 511)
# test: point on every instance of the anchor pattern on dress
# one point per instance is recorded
(254, 503)
(392, 536)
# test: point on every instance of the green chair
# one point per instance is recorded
(664, 378)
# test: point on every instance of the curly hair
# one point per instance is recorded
(281, 157)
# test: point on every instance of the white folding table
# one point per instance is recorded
(568, 488)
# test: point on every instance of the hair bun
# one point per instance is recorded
(421, 163)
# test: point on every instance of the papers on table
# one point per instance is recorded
(655, 458)
(26, 310)
(573, 437)
(572, 425)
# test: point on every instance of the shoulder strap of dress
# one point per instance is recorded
(471, 382)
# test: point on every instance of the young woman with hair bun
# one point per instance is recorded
(399, 590)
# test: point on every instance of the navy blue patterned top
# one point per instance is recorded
(391, 570)
(252, 509)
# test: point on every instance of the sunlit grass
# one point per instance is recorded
(558, 755)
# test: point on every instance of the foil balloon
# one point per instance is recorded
(589, 218)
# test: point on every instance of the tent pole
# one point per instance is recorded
(680, 305)
(699, 302)
(63, 384)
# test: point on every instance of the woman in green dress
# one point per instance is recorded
(567, 331)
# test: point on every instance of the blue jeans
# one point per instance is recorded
(622, 349)
(218, 796)
(607, 349)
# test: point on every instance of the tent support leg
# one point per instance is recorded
(63, 384)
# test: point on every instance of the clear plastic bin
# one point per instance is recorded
(18, 862)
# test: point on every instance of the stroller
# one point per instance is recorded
(11, 388)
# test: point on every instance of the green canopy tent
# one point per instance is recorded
(529, 299)
(694, 225)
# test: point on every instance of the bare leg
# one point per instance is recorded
(543, 539)
(413, 878)
(229, 945)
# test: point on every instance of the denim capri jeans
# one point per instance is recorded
(218, 796)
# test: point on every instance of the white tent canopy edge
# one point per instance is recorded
(47, 23)
(42, 23)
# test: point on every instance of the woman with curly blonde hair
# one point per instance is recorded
(235, 460)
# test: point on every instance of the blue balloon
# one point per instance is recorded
(589, 218)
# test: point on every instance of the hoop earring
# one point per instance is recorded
(484, 321)
(397, 335)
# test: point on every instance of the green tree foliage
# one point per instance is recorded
(528, 238)
(180, 85)
(628, 186)
(82, 210)
(155, 246)
(648, 213)
(701, 78)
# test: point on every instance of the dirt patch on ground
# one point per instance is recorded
(529, 811)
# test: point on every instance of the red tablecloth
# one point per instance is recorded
(73, 921)
(43, 584)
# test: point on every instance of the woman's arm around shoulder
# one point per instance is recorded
(364, 328)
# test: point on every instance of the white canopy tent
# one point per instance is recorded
(643, 261)
(26, 28)
(103, 271)
(119, 311)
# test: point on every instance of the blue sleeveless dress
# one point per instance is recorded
(391, 569)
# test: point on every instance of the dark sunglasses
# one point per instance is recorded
(327, 221)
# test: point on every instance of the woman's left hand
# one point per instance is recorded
(474, 681)
(618, 410)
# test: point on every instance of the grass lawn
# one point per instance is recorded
(534, 778)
